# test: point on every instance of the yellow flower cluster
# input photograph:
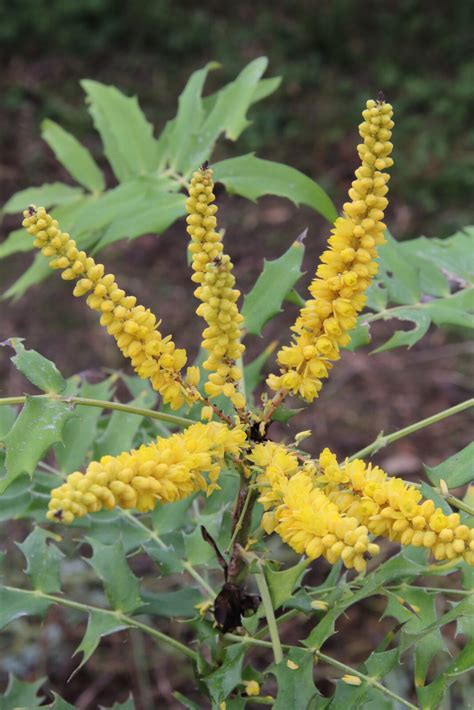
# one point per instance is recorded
(134, 328)
(163, 472)
(302, 515)
(388, 506)
(213, 272)
(346, 268)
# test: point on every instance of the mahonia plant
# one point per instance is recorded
(322, 507)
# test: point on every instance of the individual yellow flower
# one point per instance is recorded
(388, 506)
(346, 268)
(251, 687)
(162, 472)
(134, 327)
(213, 274)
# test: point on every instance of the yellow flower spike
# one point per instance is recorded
(346, 268)
(388, 506)
(134, 328)
(213, 274)
(162, 472)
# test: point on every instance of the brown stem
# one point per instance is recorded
(273, 404)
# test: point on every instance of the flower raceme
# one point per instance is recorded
(161, 472)
(213, 272)
(390, 507)
(134, 328)
(346, 268)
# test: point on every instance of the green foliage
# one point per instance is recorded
(150, 172)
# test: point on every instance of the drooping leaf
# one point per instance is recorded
(40, 371)
(282, 583)
(222, 682)
(457, 470)
(295, 684)
(99, 624)
(39, 425)
(121, 585)
(43, 560)
(126, 134)
(253, 177)
(80, 431)
(277, 279)
(20, 695)
(47, 195)
(73, 156)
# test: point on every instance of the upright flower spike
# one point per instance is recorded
(162, 472)
(213, 272)
(302, 515)
(390, 507)
(346, 268)
(135, 328)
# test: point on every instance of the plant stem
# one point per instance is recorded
(382, 440)
(368, 679)
(127, 620)
(86, 402)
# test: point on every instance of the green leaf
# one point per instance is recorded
(126, 134)
(126, 705)
(400, 276)
(283, 413)
(15, 603)
(38, 271)
(122, 427)
(422, 322)
(323, 629)
(223, 681)
(99, 624)
(73, 156)
(281, 584)
(39, 426)
(60, 703)
(47, 195)
(185, 130)
(178, 604)
(277, 279)
(80, 431)
(170, 517)
(431, 696)
(20, 695)
(17, 241)
(43, 560)
(456, 471)
(295, 685)
(7, 417)
(151, 219)
(36, 368)
(121, 585)
(253, 177)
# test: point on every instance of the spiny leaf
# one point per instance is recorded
(253, 177)
(180, 604)
(272, 286)
(43, 560)
(15, 603)
(99, 624)
(121, 585)
(126, 134)
(281, 584)
(421, 320)
(47, 195)
(295, 684)
(37, 369)
(39, 426)
(223, 681)
(73, 156)
(456, 471)
(20, 695)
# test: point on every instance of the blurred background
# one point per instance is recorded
(332, 56)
